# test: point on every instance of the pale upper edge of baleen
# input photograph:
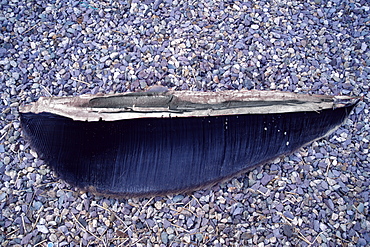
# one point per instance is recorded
(72, 107)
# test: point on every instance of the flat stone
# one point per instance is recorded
(164, 237)
(288, 230)
(42, 228)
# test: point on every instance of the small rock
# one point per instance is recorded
(329, 203)
(323, 227)
(36, 205)
(288, 230)
(164, 237)
(101, 230)
(266, 179)
(246, 235)
(187, 238)
(199, 237)
(6, 160)
(42, 228)
(288, 215)
(237, 211)
(53, 238)
(248, 84)
(363, 46)
(362, 242)
(316, 225)
(158, 205)
(2, 196)
(26, 239)
(177, 198)
(360, 208)
(334, 216)
(113, 55)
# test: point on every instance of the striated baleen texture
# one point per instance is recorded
(165, 154)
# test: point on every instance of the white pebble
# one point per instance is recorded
(334, 216)
(363, 46)
(236, 7)
(158, 205)
(323, 227)
(187, 238)
(331, 181)
(42, 228)
(113, 55)
(13, 63)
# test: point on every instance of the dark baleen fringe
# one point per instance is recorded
(157, 156)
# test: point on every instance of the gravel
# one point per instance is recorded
(318, 196)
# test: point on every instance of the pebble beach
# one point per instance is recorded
(317, 196)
